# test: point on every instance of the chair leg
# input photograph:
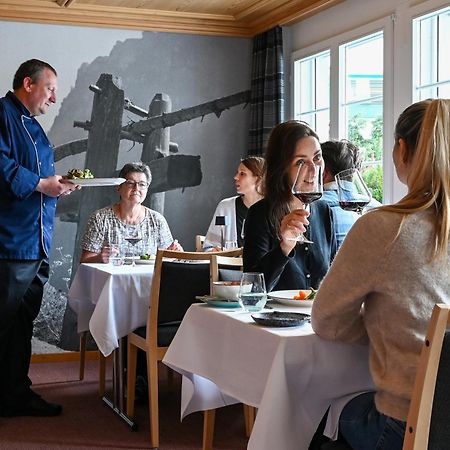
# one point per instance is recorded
(101, 374)
(249, 418)
(209, 418)
(153, 407)
(83, 339)
(131, 378)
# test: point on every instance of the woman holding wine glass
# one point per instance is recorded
(391, 270)
(128, 219)
(272, 244)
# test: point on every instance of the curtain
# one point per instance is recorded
(267, 88)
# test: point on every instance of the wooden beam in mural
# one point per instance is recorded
(184, 115)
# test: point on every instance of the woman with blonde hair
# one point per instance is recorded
(391, 270)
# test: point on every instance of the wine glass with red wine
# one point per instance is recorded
(133, 236)
(353, 193)
(307, 187)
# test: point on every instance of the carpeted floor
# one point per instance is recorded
(87, 423)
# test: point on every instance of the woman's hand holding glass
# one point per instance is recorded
(292, 225)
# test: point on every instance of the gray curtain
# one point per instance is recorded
(267, 88)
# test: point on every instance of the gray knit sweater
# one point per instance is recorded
(383, 288)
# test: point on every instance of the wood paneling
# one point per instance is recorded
(244, 18)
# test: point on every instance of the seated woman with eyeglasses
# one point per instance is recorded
(108, 225)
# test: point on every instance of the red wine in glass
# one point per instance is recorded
(133, 240)
(307, 187)
(353, 206)
(308, 197)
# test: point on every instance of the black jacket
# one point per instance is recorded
(305, 266)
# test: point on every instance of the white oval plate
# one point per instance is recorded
(287, 298)
(96, 181)
(145, 261)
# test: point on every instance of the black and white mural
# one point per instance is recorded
(201, 84)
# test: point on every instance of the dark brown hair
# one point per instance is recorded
(32, 68)
(279, 154)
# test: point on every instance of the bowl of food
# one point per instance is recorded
(229, 289)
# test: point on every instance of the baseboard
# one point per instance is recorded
(62, 357)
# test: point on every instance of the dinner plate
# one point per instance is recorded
(287, 298)
(145, 261)
(96, 181)
(281, 319)
(219, 302)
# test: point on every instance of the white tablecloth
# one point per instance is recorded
(110, 301)
(290, 374)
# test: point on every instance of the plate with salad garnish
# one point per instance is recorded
(294, 297)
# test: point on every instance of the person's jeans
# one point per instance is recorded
(364, 428)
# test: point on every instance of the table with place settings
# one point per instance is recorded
(110, 301)
(290, 374)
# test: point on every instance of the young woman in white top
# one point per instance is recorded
(247, 181)
(392, 268)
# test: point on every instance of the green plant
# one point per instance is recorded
(373, 176)
(372, 150)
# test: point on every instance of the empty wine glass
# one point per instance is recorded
(252, 292)
(133, 236)
(307, 187)
(353, 193)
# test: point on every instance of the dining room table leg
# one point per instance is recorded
(118, 400)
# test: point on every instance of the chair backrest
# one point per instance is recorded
(178, 278)
(428, 425)
(226, 268)
(199, 240)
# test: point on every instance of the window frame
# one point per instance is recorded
(386, 25)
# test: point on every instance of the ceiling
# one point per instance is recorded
(244, 18)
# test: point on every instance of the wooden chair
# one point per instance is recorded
(225, 268)
(199, 240)
(102, 364)
(174, 287)
(427, 426)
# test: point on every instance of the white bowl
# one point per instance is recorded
(228, 289)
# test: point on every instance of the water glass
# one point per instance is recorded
(252, 292)
(116, 257)
(231, 245)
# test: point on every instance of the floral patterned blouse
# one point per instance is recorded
(104, 228)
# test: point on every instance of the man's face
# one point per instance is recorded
(41, 92)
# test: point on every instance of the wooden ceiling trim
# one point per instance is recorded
(203, 24)
(257, 17)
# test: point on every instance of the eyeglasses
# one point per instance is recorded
(139, 184)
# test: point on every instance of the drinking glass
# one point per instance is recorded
(353, 193)
(231, 245)
(307, 187)
(116, 257)
(252, 292)
(133, 236)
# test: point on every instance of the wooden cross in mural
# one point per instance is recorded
(169, 170)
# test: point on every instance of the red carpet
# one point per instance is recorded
(87, 423)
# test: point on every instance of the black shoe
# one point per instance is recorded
(36, 406)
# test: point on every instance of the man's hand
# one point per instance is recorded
(55, 186)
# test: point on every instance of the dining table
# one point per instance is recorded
(110, 302)
(289, 373)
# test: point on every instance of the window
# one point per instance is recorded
(361, 109)
(431, 37)
(355, 101)
(312, 79)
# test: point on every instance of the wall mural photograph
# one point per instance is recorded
(176, 102)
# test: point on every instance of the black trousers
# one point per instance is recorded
(21, 289)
